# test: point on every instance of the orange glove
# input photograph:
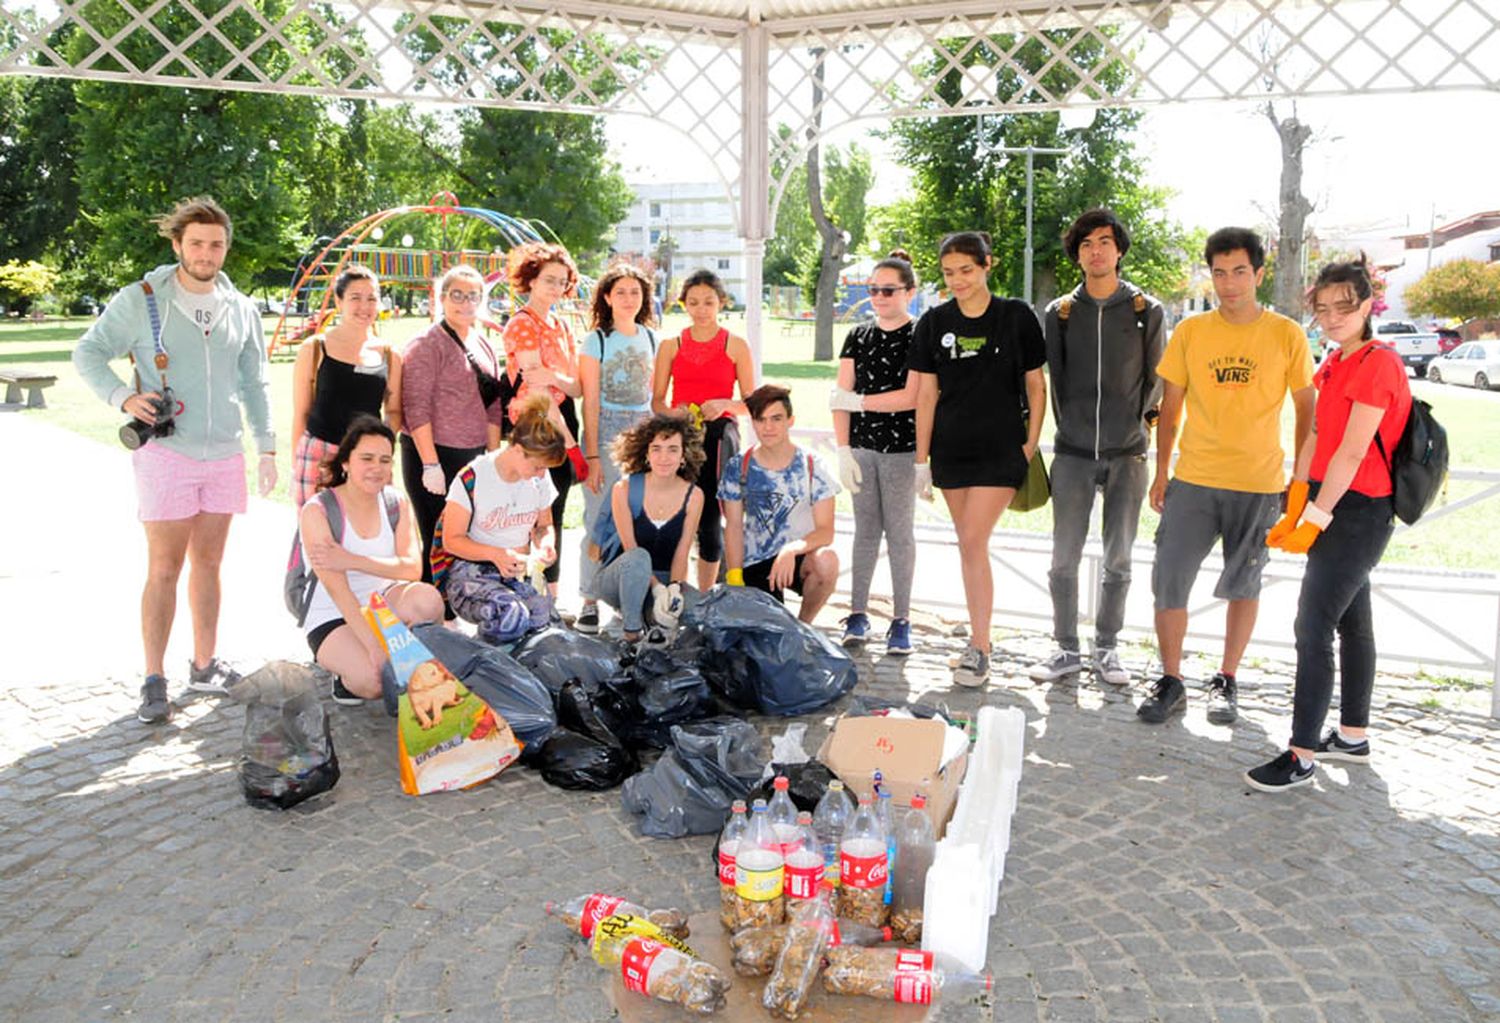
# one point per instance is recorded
(1304, 536)
(1296, 500)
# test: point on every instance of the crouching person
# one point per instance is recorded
(656, 508)
(376, 551)
(778, 510)
(498, 525)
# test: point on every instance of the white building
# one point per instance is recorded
(699, 222)
(1476, 237)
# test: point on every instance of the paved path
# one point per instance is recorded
(1144, 881)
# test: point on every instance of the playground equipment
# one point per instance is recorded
(310, 297)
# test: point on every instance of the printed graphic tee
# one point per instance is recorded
(625, 363)
(503, 513)
(880, 366)
(1237, 377)
(778, 502)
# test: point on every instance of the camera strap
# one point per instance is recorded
(153, 313)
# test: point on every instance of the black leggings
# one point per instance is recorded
(721, 445)
(427, 507)
(1336, 597)
(562, 479)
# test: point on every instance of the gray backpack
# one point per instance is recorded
(297, 588)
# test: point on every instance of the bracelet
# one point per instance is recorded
(591, 458)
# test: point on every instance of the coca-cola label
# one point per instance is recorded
(595, 908)
(726, 868)
(913, 977)
(802, 882)
(635, 963)
(862, 871)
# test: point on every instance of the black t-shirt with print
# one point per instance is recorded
(979, 407)
(880, 366)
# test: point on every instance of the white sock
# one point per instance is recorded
(1348, 741)
(1303, 764)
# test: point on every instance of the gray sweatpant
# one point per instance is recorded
(886, 503)
(1074, 482)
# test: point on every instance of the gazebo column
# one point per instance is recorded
(755, 177)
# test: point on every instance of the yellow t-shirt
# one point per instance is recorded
(1237, 376)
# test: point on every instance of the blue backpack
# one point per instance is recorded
(604, 538)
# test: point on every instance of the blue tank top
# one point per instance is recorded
(661, 541)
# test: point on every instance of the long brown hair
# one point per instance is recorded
(603, 315)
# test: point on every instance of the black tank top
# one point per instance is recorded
(341, 392)
(661, 540)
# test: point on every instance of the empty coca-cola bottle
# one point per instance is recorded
(783, 812)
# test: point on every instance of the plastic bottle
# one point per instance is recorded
(830, 818)
(783, 813)
(804, 861)
(888, 825)
(729, 841)
(808, 934)
(758, 873)
(902, 975)
(915, 847)
(863, 866)
(657, 965)
(582, 913)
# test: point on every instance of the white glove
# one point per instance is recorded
(849, 474)
(840, 400)
(266, 474)
(923, 483)
(666, 604)
(432, 479)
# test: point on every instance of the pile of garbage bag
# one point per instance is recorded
(688, 791)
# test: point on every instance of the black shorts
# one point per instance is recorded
(758, 576)
(316, 636)
(1001, 470)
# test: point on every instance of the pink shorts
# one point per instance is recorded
(170, 486)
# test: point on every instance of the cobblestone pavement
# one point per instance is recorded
(1144, 880)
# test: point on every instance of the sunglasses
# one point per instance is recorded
(887, 290)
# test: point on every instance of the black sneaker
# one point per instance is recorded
(1333, 747)
(1285, 772)
(1167, 697)
(155, 708)
(587, 621)
(343, 697)
(1223, 700)
(213, 677)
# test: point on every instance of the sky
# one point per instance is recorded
(1379, 165)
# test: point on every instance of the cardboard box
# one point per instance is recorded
(904, 751)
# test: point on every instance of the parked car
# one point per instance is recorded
(1448, 339)
(1383, 327)
(1416, 350)
(1473, 364)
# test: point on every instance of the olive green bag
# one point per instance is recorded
(1036, 489)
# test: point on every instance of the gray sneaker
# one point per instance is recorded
(972, 669)
(155, 709)
(213, 677)
(1108, 669)
(1061, 664)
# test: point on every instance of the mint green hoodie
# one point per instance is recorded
(215, 379)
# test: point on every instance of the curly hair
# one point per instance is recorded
(526, 261)
(631, 446)
(603, 315)
(537, 434)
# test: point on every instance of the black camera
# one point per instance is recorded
(137, 432)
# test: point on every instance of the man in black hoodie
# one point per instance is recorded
(1103, 343)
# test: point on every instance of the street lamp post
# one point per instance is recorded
(1031, 152)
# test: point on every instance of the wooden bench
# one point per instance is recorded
(34, 379)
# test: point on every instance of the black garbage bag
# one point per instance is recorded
(287, 755)
(688, 791)
(503, 683)
(669, 690)
(757, 655)
(557, 654)
(593, 712)
(807, 782)
(569, 760)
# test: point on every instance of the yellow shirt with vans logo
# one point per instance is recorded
(1237, 377)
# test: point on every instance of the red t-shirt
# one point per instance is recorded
(1374, 376)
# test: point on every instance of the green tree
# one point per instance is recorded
(1464, 289)
(549, 168)
(961, 183)
(21, 284)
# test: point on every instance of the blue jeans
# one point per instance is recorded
(1074, 482)
(623, 585)
(1335, 597)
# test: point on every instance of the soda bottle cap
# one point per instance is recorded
(758, 806)
(918, 802)
(804, 817)
(836, 785)
(782, 783)
(738, 806)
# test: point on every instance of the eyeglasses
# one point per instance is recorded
(555, 282)
(464, 296)
(887, 290)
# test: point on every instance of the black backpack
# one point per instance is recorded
(1419, 463)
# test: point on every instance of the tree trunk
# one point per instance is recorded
(831, 260)
(1294, 210)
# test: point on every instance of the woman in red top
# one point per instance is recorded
(541, 356)
(1341, 492)
(703, 367)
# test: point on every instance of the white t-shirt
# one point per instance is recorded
(503, 513)
(202, 309)
(381, 545)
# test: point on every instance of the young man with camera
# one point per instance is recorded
(199, 357)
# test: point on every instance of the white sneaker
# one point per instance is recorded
(1108, 669)
(972, 669)
(1061, 664)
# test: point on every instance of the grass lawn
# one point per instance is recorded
(1472, 419)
